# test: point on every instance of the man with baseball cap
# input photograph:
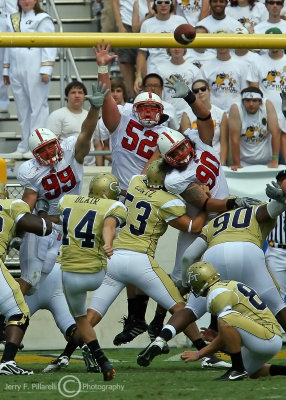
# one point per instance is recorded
(276, 252)
(254, 131)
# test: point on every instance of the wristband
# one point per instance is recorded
(198, 355)
(206, 118)
(190, 98)
(102, 69)
(274, 156)
(44, 227)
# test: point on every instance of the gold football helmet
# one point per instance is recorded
(104, 186)
(156, 174)
(200, 276)
(3, 191)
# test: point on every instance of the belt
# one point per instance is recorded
(277, 245)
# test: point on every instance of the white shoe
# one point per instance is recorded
(17, 155)
(59, 363)
(213, 361)
(28, 155)
(11, 368)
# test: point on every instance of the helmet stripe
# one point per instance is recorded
(168, 136)
(39, 135)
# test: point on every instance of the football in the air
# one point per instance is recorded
(185, 33)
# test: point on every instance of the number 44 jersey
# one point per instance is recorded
(51, 183)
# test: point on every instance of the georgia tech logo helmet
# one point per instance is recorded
(200, 276)
(155, 174)
(104, 186)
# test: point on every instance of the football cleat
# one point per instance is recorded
(90, 362)
(154, 329)
(11, 368)
(59, 363)
(232, 375)
(132, 328)
(213, 361)
(159, 346)
(108, 371)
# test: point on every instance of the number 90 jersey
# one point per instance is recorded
(52, 183)
(204, 169)
(238, 225)
(132, 146)
(149, 212)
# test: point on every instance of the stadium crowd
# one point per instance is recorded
(171, 122)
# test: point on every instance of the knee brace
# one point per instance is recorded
(20, 320)
(70, 332)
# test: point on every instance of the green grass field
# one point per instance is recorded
(166, 378)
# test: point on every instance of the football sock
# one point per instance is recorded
(277, 370)
(159, 317)
(237, 363)
(199, 344)
(10, 352)
(166, 334)
(97, 352)
(141, 302)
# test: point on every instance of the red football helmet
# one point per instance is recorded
(45, 147)
(148, 108)
(175, 148)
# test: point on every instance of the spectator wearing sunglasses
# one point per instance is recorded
(248, 12)
(254, 131)
(163, 22)
(274, 8)
(220, 140)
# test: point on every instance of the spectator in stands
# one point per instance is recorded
(254, 131)
(29, 71)
(193, 11)
(177, 65)
(226, 77)
(198, 55)
(251, 57)
(163, 21)
(123, 10)
(218, 20)
(248, 12)
(7, 8)
(107, 20)
(220, 140)
(274, 20)
(142, 10)
(270, 77)
(67, 121)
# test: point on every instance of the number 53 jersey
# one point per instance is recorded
(52, 183)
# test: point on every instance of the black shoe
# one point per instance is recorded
(154, 329)
(159, 346)
(90, 362)
(108, 371)
(232, 375)
(212, 361)
(11, 368)
(132, 328)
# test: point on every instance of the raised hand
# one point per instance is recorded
(275, 192)
(246, 202)
(177, 83)
(102, 53)
(98, 95)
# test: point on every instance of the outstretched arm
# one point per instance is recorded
(204, 119)
(110, 114)
(82, 145)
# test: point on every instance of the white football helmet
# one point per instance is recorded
(175, 148)
(45, 155)
(148, 108)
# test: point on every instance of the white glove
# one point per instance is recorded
(275, 192)
(98, 95)
(246, 202)
(178, 84)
